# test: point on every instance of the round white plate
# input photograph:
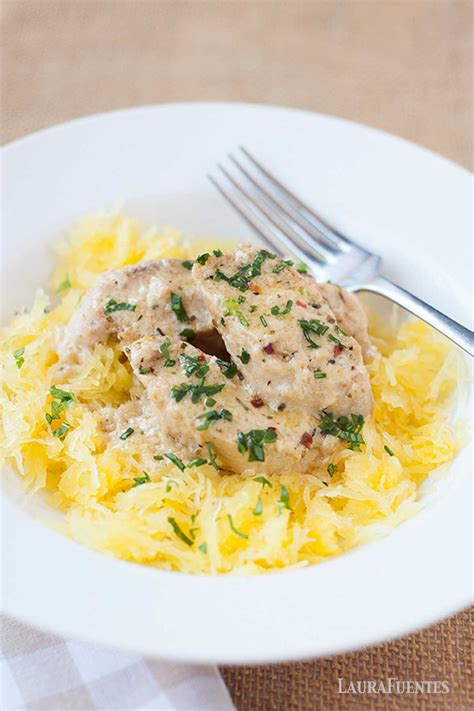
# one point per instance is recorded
(405, 203)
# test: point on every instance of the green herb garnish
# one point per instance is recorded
(240, 280)
(177, 307)
(336, 340)
(158, 458)
(237, 533)
(264, 482)
(179, 532)
(113, 305)
(203, 548)
(212, 456)
(283, 265)
(18, 356)
(318, 374)
(228, 368)
(263, 321)
(62, 431)
(344, 428)
(211, 416)
(202, 259)
(188, 334)
(284, 501)
(144, 371)
(187, 264)
(253, 441)
(276, 311)
(244, 356)
(197, 462)
(217, 252)
(140, 480)
(175, 460)
(331, 469)
(258, 508)
(312, 326)
(169, 485)
(165, 352)
(233, 309)
(302, 268)
(127, 433)
(388, 450)
(66, 284)
(194, 365)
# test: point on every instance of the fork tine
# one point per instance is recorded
(271, 235)
(286, 234)
(313, 218)
(305, 231)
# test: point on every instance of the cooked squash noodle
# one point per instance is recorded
(121, 500)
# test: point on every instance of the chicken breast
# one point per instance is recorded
(349, 314)
(139, 300)
(203, 411)
(279, 324)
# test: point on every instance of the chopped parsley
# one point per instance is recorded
(242, 277)
(228, 368)
(113, 305)
(194, 365)
(344, 428)
(212, 456)
(175, 460)
(125, 435)
(208, 417)
(65, 399)
(187, 264)
(217, 252)
(332, 469)
(310, 327)
(334, 339)
(165, 352)
(140, 480)
(177, 307)
(284, 501)
(203, 548)
(178, 392)
(264, 482)
(253, 441)
(283, 265)
(244, 356)
(210, 402)
(302, 268)
(18, 356)
(169, 485)
(277, 311)
(66, 284)
(388, 450)
(233, 309)
(258, 508)
(197, 462)
(188, 334)
(144, 371)
(237, 533)
(202, 259)
(180, 533)
(318, 374)
(158, 458)
(263, 321)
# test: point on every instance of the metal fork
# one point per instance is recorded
(288, 225)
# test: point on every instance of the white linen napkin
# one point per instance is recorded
(43, 672)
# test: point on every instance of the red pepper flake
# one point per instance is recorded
(201, 357)
(306, 440)
(301, 303)
(337, 350)
(257, 402)
(269, 348)
(255, 288)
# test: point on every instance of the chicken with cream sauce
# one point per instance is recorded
(244, 362)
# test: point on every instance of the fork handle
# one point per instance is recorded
(456, 332)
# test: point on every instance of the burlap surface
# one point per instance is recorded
(403, 66)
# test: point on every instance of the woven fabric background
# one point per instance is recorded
(400, 65)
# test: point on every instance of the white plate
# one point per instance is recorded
(409, 205)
